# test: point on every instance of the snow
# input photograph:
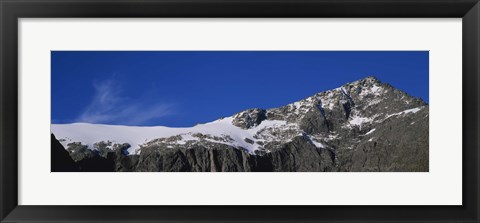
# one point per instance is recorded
(330, 106)
(185, 138)
(136, 136)
(318, 144)
(297, 105)
(375, 89)
(408, 111)
(374, 102)
(329, 101)
(413, 110)
(332, 136)
(302, 106)
(369, 132)
(357, 120)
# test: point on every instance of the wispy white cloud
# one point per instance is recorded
(108, 106)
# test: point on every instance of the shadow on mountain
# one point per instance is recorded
(61, 160)
(112, 161)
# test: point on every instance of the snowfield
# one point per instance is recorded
(136, 136)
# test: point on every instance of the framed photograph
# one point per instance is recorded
(227, 111)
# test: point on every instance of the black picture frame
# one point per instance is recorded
(12, 10)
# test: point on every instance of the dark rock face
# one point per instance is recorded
(80, 152)
(79, 159)
(301, 155)
(400, 145)
(61, 160)
(314, 121)
(249, 118)
(362, 126)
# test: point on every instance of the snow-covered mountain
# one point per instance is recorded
(338, 126)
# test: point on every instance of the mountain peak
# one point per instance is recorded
(371, 78)
(367, 81)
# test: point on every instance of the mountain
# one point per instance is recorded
(365, 125)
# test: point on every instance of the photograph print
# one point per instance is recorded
(239, 111)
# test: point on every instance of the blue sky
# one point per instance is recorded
(183, 88)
